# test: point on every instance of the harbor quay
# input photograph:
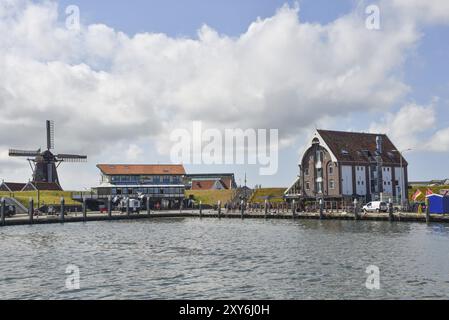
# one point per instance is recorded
(217, 213)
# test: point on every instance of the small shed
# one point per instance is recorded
(438, 204)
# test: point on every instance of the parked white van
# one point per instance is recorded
(375, 206)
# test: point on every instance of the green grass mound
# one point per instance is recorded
(270, 194)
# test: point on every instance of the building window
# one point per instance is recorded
(306, 171)
(332, 184)
(331, 169)
(307, 185)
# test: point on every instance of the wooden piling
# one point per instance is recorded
(201, 209)
(31, 210)
(61, 213)
(321, 210)
(242, 210)
(219, 209)
(3, 212)
(148, 206)
(109, 206)
(356, 210)
(390, 211)
(266, 209)
(84, 209)
(294, 209)
(128, 211)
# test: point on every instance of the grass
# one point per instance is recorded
(422, 197)
(45, 197)
(271, 194)
(210, 197)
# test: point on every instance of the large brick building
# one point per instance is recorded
(348, 165)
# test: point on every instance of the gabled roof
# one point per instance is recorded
(43, 186)
(209, 175)
(140, 169)
(227, 178)
(359, 147)
(12, 186)
(206, 184)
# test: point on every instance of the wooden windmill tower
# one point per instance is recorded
(45, 164)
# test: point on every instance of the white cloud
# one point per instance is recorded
(428, 11)
(104, 88)
(134, 153)
(416, 127)
(404, 126)
(439, 141)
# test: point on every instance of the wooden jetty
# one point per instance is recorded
(262, 212)
(211, 214)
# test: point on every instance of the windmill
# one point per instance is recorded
(45, 164)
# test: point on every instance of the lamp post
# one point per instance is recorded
(401, 179)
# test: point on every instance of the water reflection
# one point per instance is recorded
(227, 259)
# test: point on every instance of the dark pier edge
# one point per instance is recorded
(221, 215)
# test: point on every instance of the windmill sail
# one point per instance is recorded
(71, 158)
(50, 135)
(23, 153)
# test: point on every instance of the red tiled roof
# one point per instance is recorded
(359, 147)
(227, 178)
(227, 182)
(205, 184)
(137, 169)
(14, 186)
(46, 186)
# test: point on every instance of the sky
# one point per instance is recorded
(135, 72)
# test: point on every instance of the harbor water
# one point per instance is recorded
(177, 258)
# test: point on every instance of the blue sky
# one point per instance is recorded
(183, 18)
(419, 74)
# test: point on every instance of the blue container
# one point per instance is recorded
(438, 204)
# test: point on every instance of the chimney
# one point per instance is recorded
(379, 166)
(379, 145)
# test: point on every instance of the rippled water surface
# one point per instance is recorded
(226, 259)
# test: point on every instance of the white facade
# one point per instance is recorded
(400, 177)
(360, 180)
(387, 177)
(346, 180)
